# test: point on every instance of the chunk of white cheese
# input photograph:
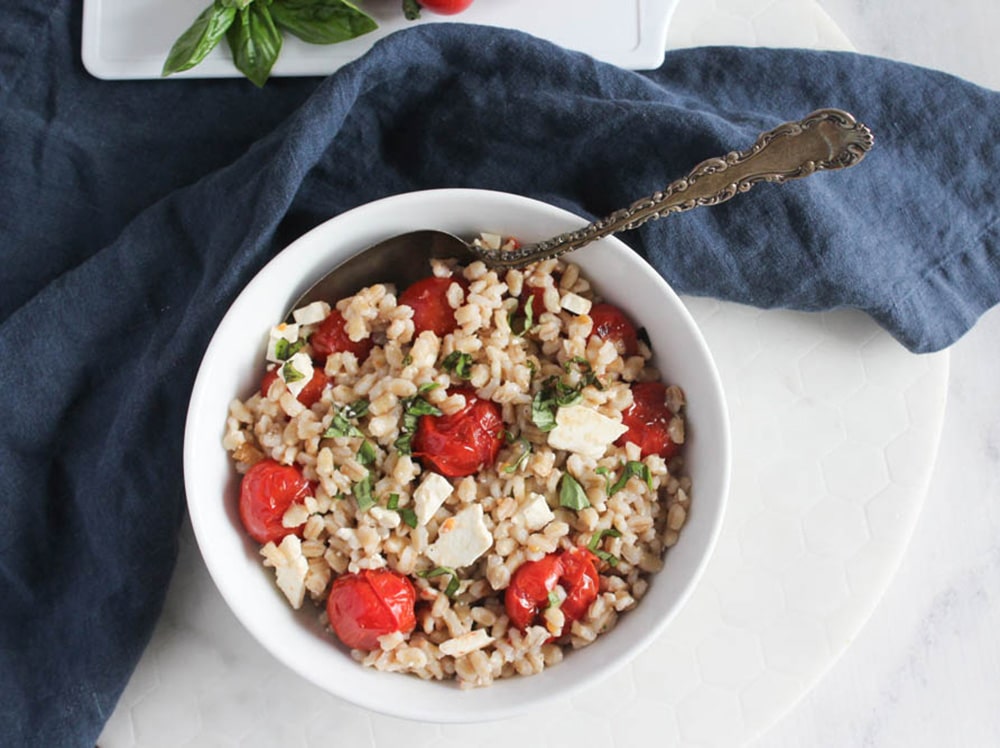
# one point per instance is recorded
(312, 314)
(585, 431)
(461, 539)
(463, 644)
(575, 304)
(300, 363)
(290, 569)
(534, 513)
(429, 496)
(287, 332)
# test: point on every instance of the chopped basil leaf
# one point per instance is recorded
(363, 493)
(285, 349)
(411, 10)
(529, 316)
(366, 453)
(543, 411)
(341, 424)
(290, 374)
(554, 600)
(407, 359)
(452, 587)
(428, 386)
(525, 451)
(413, 408)
(458, 363)
(408, 516)
(571, 493)
(632, 468)
(420, 407)
(607, 477)
(393, 502)
(357, 409)
(595, 540)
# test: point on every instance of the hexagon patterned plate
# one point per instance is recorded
(835, 430)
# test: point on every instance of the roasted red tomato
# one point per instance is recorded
(331, 337)
(464, 442)
(364, 606)
(648, 421)
(610, 323)
(309, 395)
(445, 7)
(429, 300)
(527, 596)
(266, 492)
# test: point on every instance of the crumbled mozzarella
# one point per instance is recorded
(284, 331)
(535, 512)
(290, 568)
(462, 539)
(312, 314)
(583, 430)
(465, 643)
(429, 496)
(571, 302)
(302, 364)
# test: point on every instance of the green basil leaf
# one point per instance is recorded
(341, 424)
(525, 451)
(393, 502)
(255, 42)
(363, 493)
(458, 363)
(408, 516)
(571, 493)
(413, 408)
(420, 407)
(607, 477)
(200, 38)
(411, 9)
(632, 468)
(322, 21)
(554, 601)
(357, 409)
(366, 453)
(284, 349)
(290, 374)
(428, 386)
(595, 540)
(453, 583)
(543, 411)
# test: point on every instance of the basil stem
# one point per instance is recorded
(200, 38)
(255, 42)
(322, 21)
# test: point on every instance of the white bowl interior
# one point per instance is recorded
(232, 366)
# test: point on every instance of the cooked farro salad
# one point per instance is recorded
(467, 477)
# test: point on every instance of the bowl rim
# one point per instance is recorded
(372, 216)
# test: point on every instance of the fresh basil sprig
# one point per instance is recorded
(253, 30)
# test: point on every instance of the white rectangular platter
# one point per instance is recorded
(129, 39)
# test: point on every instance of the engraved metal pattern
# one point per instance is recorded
(825, 140)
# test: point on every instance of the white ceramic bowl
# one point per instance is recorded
(232, 366)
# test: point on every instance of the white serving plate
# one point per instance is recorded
(129, 39)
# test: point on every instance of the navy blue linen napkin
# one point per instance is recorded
(134, 212)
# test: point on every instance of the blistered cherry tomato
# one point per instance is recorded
(429, 300)
(648, 421)
(331, 337)
(527, 596)
(374, 602)
(445, 7)
(462, 443)
(309, 395)
(610, 323)
(266, 492)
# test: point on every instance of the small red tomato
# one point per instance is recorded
(610, 323)
(648, 421)
(534, 295)
(428, 298)
(364, 606)
(445, 7)
(527, 596)
(462, 443)
(309, 395)
(331, 337)
(266, 492)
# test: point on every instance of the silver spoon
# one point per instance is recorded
(825, 140)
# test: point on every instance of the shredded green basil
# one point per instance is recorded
(571, 493)
(525, 451)
(366, 453)
(357, 409)
(554, 394)
(554, 601)
(408, 516)
(428, 386)
(458, 363)
(632, 468)
(285, 349)
(341, 424)
(413, 408)
(363, 493)
(290, 374)
(595, 540)
(393, 502)
(607, 477)
(453, 583)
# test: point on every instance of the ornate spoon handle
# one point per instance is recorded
(826, 139)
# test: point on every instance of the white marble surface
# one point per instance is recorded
(925, 669)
